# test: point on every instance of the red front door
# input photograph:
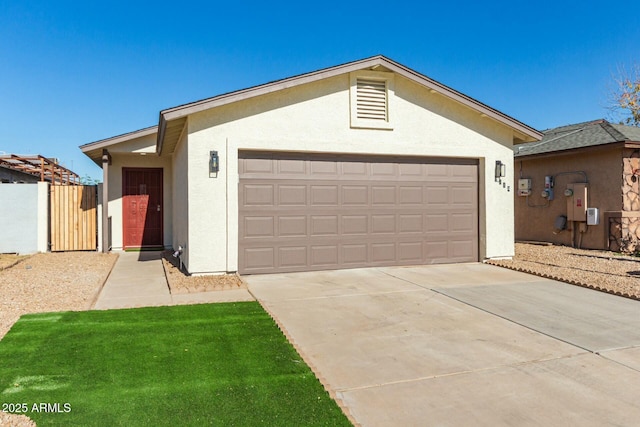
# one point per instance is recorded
(142, 207)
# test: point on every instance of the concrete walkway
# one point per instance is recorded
(138, 280)
(466, 344)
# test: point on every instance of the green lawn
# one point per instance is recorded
(217, 364)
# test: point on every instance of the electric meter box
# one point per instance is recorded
(524, 184)
(577, 202)
(593, 216)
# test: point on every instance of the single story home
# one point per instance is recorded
(368, 163)
(585, 175)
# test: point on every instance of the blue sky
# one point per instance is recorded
(73, 72)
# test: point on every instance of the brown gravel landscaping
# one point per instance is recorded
(15, 420)
(181, 283)
(63, 281)
(606, 271)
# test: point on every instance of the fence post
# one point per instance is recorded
(43, 216)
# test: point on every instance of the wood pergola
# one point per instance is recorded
(42, 167)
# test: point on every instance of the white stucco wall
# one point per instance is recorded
(24, 217)
(316, 117)
(181, 198)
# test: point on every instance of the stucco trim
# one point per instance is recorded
(378, 63)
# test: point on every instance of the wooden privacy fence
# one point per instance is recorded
(73, 220)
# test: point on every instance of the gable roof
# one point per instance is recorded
(173, 119)
(580, 135)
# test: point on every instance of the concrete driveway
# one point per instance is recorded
(464, 344)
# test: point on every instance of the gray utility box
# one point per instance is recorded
(593, 216)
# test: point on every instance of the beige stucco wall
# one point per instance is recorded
(604, 171)
(145, 144)
(181, 210)
(129, 155)
(316, 117)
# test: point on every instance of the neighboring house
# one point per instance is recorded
(9, 175)
(603, 156)
(19, 168)
(368, 163)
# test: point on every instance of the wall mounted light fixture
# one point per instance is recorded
(501, 170)
(214, 162)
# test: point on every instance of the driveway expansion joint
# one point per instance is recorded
(328, 297)
(465, 372)
(513, 321)
(604, 356)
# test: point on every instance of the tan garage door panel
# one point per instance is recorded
(307, 212)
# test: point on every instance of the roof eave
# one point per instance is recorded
(162, 127)
(632, 144)
(526, 131)
(573, 150)
(104, 143)
(93, 150)
(239, 95)
(522, 132)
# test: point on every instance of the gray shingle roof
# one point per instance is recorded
(580, 135)
(631, 132)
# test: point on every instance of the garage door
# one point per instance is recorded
(311, 212)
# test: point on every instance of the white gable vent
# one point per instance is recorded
(371, 95)
(371, 99)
